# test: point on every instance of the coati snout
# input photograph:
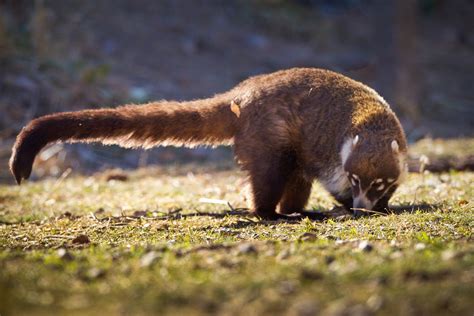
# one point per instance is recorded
(288, 129)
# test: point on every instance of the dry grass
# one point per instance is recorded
(152, 246)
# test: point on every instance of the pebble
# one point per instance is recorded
(420, 246)
(64, 254)
(283, 255)
(365, 246)
(308, 237)
(149, 258)
(95, 273)
(246, 248)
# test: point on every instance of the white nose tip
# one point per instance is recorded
(361, 202)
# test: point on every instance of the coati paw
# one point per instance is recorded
(276, 217)
(314, 215)
(294, 216)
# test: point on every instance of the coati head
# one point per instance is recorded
(374, 168)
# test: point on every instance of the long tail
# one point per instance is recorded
(207, 121)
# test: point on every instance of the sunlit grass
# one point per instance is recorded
(154, 247)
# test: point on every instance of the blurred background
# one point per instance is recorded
(58, 55)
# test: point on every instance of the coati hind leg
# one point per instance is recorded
(296, 194)
(268, 175)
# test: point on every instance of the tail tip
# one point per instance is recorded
(18, 179)
(20, 170)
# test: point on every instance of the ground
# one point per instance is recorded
(146, 241)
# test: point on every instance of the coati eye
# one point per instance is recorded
(380, 187)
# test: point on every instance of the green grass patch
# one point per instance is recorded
(153, 247)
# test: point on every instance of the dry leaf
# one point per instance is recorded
(234, 107)
(81, 239)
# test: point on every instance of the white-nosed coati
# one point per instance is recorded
(289, 128)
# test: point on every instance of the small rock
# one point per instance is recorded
(394, 243)
(375, 302)
(81, 239)
(366, 246)
(140, 214)
(283, 255)
(64, 254)
(448, 255)
(95, 273)
(246, 248)
(444, 178)
(420, 246)
(396, 255)
(329, 259)
(149, 258)
(308, 237)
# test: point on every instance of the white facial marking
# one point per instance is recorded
(354, 183)
(394, 146)
(355, 140)
(346, 150)
(380, 187)
(390, 180)
(336, 180)
(355, 176)
(378, 180)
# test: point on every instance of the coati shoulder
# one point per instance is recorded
(288, 128)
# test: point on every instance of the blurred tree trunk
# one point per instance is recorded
(407, 88)
(40, 29)
(384, 48)
(397, 71)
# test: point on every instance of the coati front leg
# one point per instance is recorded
(296, 194)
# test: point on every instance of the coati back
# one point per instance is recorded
(288, 129)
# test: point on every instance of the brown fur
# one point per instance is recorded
(290, 130)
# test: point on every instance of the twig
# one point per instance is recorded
(59, 237)
(369, 211)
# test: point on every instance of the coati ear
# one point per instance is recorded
(355, 140)
(394, 146)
